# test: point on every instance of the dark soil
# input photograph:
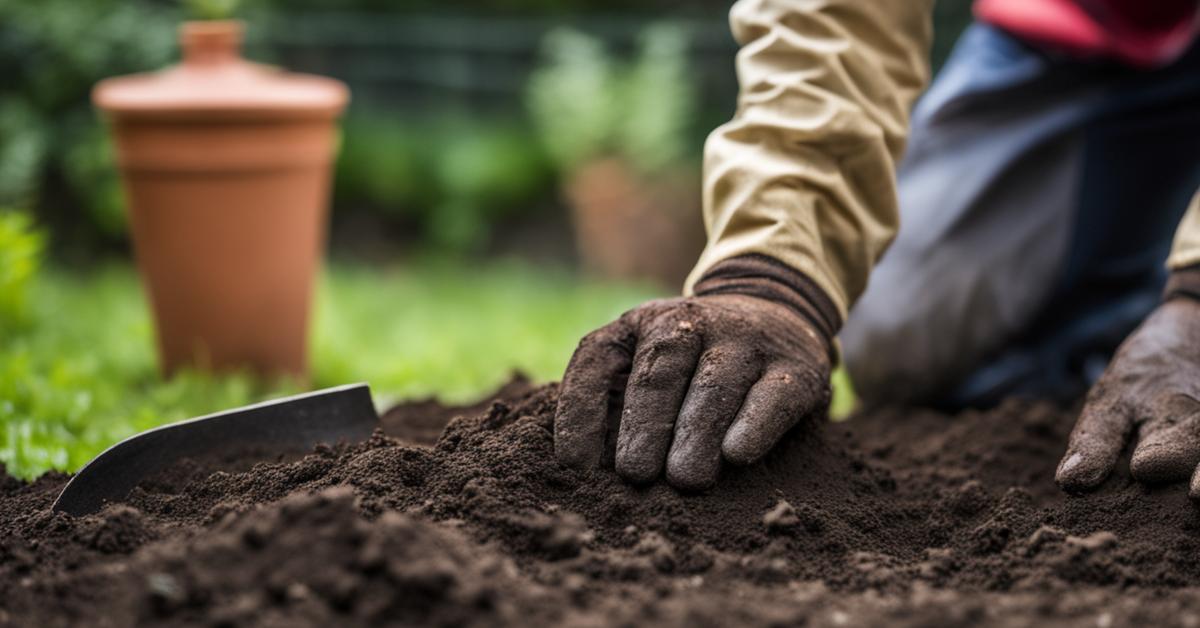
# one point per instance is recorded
(896, 517)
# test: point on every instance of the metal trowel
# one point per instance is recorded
(341, 414)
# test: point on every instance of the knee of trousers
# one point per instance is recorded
(890, 351)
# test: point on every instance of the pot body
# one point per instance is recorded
(228, 225)
(632, 227)
(226, 167)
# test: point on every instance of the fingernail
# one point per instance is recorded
(1070, 463)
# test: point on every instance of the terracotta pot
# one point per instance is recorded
(226, 166)
(633, 227)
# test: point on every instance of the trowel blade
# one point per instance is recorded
(345, 413)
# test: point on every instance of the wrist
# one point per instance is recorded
(769, 279)
(1183, 283)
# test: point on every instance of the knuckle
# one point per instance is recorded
(712, 391)
(654, 376)
(650, 311)
(715, 399)
(659, 347)
(661, 363)
(805, 385)
(608, 339)
(729, 363)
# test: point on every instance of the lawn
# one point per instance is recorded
(82, 375)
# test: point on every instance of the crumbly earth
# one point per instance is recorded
(908, 518)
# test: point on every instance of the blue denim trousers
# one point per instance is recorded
(1038, 198)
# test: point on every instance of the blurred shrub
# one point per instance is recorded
(23, 146)
(485, 174)
(211, 9)
(587, 104)
(21, 248)
(382, 164)
(89, 166)
(451, 177)
(511, 6)
(51, 53)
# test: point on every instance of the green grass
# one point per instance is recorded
(82, 375)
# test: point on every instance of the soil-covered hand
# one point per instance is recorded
(723, 374)
(1152, 387)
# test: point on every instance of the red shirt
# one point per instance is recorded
(1146, 33)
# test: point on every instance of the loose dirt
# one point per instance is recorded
(903, 517)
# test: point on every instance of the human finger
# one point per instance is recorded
(714, 397)
(662, 368)
(1096, 442)
(1171, 452)
(580, 420)
(776, 403)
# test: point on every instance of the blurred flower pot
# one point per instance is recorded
(226, 168)
(628, 226)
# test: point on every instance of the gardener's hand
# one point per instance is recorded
(1152, 387)
(723, 374)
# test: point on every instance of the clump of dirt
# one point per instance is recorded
(898, 516)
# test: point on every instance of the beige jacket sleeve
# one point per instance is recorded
(1185, 251)
(806, 170)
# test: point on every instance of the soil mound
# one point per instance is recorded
(908, 517)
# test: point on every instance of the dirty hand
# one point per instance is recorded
(723, 374)
(1152, 386)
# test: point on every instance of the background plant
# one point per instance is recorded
(445, 180)
(53, 151)
(21, 247)
(211, 9)
(588, 104)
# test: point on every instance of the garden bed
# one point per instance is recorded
(905, 517)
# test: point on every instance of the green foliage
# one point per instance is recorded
(89, 165)
(211, 9)
(23, 145)
(381, 164)
(587, 104)
(83, 374)
(452, 177)
(457, 330)
(484, 176)
(574, 97)
(844, 400)
(659, 102)
(51, 54)
(21, 247)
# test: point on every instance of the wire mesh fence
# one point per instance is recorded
(474, 62)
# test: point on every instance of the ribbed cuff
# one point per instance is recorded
(1183, 282)
(770, 279)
